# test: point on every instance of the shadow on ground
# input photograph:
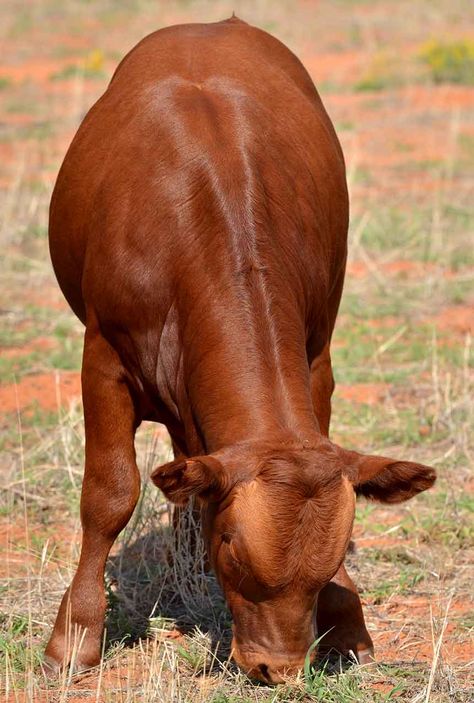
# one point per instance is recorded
(157, 584)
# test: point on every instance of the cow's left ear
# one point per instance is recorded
(387, 480)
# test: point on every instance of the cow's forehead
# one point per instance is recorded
(283, 536)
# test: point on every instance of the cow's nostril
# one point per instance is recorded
(264, 671)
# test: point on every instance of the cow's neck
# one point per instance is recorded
(247, 378)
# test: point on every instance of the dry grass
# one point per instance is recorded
(402, 357)
(167, 625)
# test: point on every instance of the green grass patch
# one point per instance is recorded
(91, 67)
(66, 354)
(410, 231)
(38, 131)
(5, 82)
(24, 106)
(449, 62)
(16, 649)
(347, 686)
(448, 521)
(382, 73)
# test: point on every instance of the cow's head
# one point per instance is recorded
(277, 523)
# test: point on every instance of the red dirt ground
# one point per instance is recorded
(369, 393)
(456, 318)
(38, 344)
(49, 391)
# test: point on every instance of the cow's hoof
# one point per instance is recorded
(347, 653)
(50, 667)
(366, 656)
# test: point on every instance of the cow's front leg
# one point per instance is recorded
(340, 616)
(110, 492)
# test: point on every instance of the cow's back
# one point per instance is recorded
(209, 154)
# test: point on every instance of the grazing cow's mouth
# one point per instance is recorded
(266, 667)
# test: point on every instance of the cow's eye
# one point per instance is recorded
(230, 551)
(233, 553)
(234, 562)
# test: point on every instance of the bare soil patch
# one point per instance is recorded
(456, 318)
(38, 344)
(369, 393)
(48, 391)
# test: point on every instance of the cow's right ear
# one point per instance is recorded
(201, 476)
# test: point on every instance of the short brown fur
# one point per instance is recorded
(198, 228)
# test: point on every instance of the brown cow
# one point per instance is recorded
(198, 229)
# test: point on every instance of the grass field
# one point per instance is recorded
(397, 79)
